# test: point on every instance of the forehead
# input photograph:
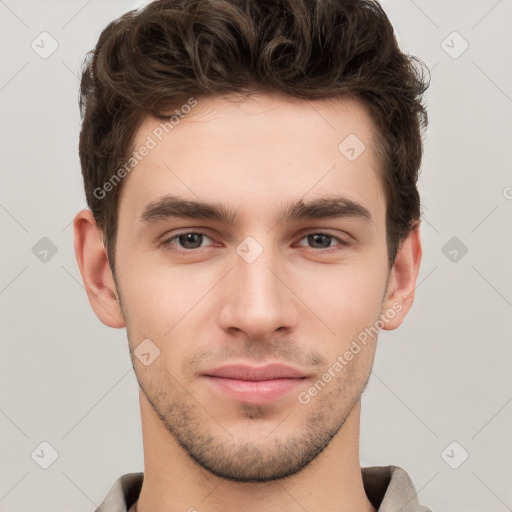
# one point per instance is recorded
(253, 152)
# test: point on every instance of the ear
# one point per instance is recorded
(96, 274)
(402, 281)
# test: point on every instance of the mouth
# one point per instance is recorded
(255, 385)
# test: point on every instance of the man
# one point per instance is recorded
(251, 169)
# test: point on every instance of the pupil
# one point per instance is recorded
(189, 238)
(325, 238)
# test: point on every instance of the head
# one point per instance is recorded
(307, 108)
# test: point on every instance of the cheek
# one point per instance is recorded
(162, 301)
(347, 300)
(150, 301)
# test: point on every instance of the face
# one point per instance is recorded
(290, 268)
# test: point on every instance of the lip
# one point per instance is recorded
(256, 373)
(255, 385)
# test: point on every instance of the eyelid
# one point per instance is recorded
(336, 248)
(323, 232)
(168, 239)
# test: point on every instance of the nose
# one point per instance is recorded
(257, 299)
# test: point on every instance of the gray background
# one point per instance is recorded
(444, 376)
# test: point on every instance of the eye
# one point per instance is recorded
(322, 241)
(191, 241)
(188, 240)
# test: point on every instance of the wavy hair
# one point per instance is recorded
(150, 60)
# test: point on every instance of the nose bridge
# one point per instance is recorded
(258, 302)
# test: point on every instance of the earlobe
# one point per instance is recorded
(402, 281)
(96, 274)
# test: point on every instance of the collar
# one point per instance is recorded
(389, 488)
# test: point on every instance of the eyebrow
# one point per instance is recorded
(171, 206)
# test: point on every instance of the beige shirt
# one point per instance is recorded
(389, 489)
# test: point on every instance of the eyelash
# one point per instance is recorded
(168, 242)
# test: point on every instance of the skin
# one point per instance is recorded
(295, 303)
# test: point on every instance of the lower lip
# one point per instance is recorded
(255, 392)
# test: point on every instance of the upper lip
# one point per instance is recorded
(255, 373)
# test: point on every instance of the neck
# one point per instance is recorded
(173, 481)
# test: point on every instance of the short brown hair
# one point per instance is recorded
(151, 60)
